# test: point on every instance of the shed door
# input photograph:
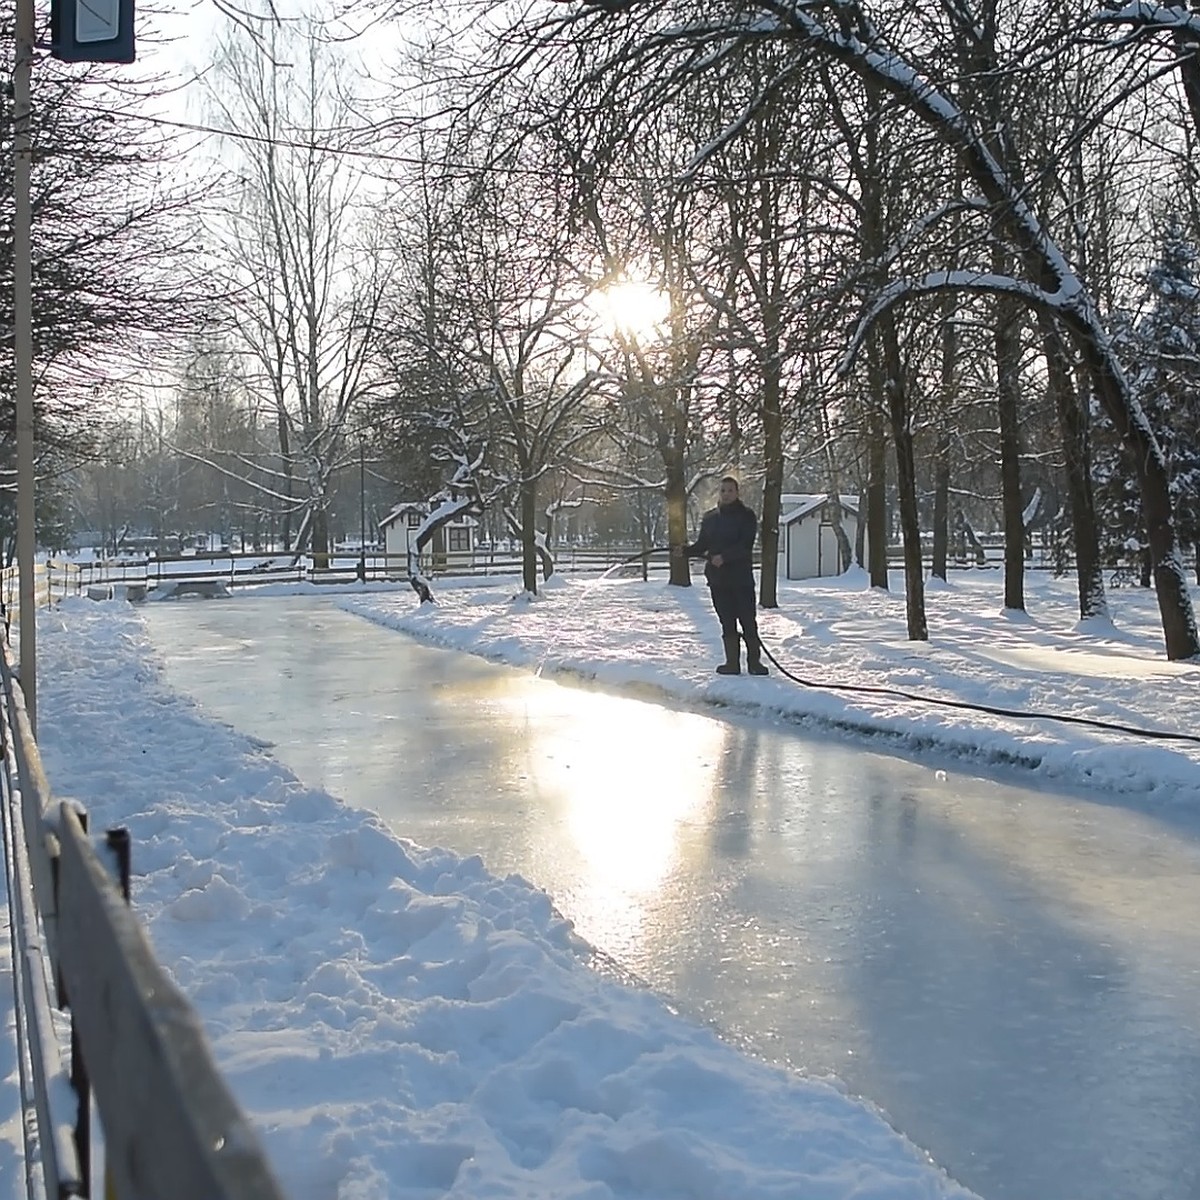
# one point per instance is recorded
(802, 549)
(831, 563)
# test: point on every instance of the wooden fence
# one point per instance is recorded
(171, 1128)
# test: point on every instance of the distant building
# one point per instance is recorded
(85, 539)
(451, 545)
(808, 545)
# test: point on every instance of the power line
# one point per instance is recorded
(554, 173)
(410, 160)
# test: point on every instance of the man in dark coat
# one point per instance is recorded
(726, 541)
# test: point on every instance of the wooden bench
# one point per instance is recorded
(208, 589)
(133, 592)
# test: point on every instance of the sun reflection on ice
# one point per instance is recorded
(624, 790)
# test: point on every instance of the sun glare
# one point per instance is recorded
(624, 817)
(633, 308)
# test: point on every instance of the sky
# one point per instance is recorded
(399, 1022)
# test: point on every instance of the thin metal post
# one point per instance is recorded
(362, 512)
(23, 352)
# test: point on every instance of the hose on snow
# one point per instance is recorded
(916, 698)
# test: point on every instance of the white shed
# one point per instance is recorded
(452, 545)
(808, 546)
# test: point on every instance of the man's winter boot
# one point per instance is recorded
(754, 662)
(733, 656)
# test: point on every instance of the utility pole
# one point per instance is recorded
(23, 353)
(81, 31)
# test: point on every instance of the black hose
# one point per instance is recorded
(1113, 726)
(991, 710)
(643, 554)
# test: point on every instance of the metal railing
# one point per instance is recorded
(134, 577)
(236, 569)
(170, 1125)
(44, 591)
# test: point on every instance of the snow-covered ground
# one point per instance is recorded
(400, 1023)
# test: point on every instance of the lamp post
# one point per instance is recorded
(362, 511)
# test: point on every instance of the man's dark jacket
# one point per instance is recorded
(730, 532)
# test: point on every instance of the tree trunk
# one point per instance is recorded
(416, 580)
(900, 415)
(676, 497)
(1008, 405)
(772, 481)
(941, 504)
(545, 549)
(970, 538)
(883, 358)
(529, 552)
(941, 454)
(1077, 458)
(877, 524)
(769, 277)
(289, 484)
(834, 500)
(1189, 72)
(845, 550)
(914, 583)
(860, 531)
(320, 539)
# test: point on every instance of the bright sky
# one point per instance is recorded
(401, 1024)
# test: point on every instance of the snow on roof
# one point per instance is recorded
(795, 506)
(421, 507)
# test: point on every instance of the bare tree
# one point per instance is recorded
(769, 277)
(633, 34)
(305, 274)
(112, 268)
(641, 225)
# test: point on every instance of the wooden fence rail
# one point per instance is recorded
(171, 1127)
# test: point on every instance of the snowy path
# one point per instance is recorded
(1010, 974)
